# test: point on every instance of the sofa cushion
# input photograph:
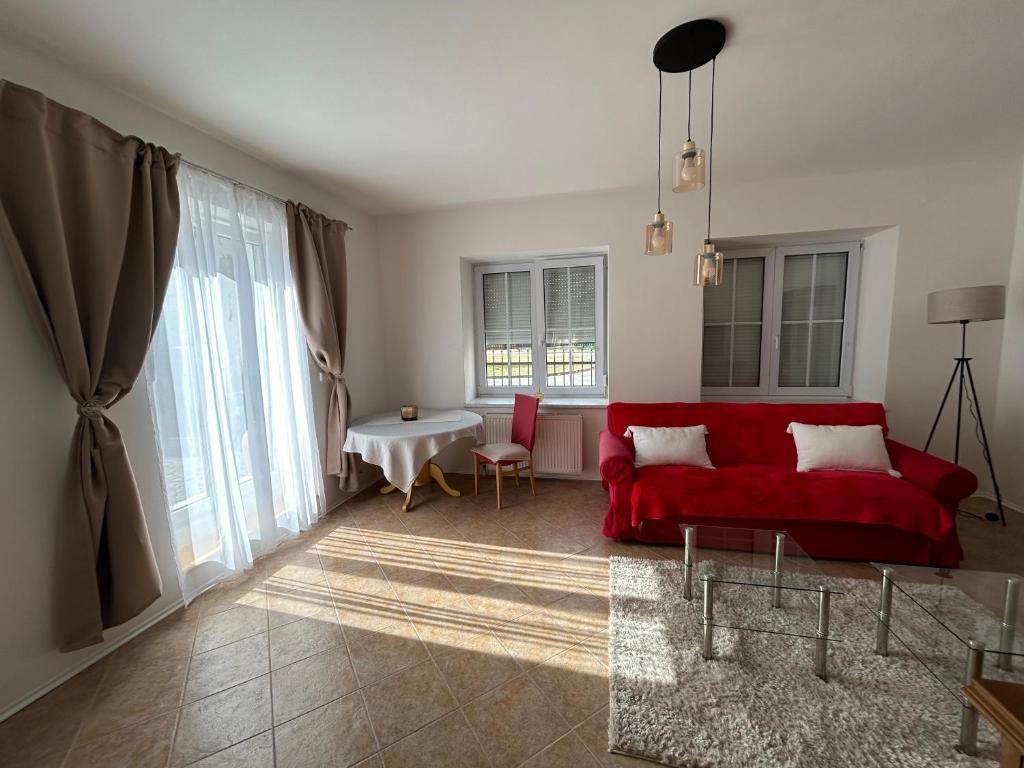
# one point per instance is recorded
(744, 433)
(685, 446)
(829, 446)
(776, 494)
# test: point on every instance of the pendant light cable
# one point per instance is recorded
(689, 102)
(711, 144)
(659, 141)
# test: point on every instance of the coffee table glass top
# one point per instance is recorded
(939, 593)
(750, 555)
(750, 592)
(936, 613)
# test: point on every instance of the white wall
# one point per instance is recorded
(937, 234)
(1009, 420)
(38, 416)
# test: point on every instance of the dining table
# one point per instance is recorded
(404, 450)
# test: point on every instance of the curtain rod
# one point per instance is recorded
(238, 183)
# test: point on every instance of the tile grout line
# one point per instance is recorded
(181, 698)
(597, 758)
(270, 668)
(373, 728)
(344, 640)
(524, 672)
(433, 656)
(430, 657)
(229, 746)
(81, 724)
(361, 688)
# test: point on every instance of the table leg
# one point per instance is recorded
(688, 533)
(780, 548)
(438, 477)
(968, 743)
(1009, 628)
(428, 474)
(821, 643)
(884, 614)
(709, 617)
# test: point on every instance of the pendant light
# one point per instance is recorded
(688, 166)
(684, 49)
(707, 270)
(658, 235)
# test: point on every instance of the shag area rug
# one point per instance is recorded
(758, 703)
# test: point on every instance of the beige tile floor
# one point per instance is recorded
(454, 635)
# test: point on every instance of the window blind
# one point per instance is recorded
(733, 315)
(813, 306)
(508, 329)
(570, 323)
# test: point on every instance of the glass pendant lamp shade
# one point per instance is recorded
(658, 237)
(688, 169)
(708, 266)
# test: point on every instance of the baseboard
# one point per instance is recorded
(1018, 508)
(589, 476)
(44, 689)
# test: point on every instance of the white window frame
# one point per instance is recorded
(771, 322)
(536, 267)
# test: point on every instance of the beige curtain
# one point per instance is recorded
(317, 253)
(90, 218)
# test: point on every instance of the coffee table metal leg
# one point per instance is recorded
(780, 547)
(1006, 633)
(821, 643)
(688, 562)
(968, 743)
(709, 616)
(884, 614)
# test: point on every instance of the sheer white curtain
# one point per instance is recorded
(229, 383)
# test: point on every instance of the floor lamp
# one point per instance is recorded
(967, 305)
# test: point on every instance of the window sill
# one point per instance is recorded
(549, 401)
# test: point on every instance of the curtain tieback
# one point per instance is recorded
(91, 409)
(339, 378)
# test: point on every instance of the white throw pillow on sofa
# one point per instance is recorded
(860, 449)
(670, 445)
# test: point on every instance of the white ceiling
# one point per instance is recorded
(425, 103)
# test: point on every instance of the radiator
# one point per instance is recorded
(559, 446)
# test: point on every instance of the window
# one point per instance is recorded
(782, 322)
(540, 326)
(229, 385)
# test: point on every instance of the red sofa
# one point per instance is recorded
(841, 515)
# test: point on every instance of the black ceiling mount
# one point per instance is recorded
(689, 45)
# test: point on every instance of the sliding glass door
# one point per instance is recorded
(229, 383)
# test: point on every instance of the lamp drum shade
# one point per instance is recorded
(959, 305)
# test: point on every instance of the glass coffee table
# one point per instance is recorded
(734, 568)
(959, 624)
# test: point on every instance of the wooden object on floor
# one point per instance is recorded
(1002, 704)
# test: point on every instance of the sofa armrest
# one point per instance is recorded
(616, 459)
(948, 482)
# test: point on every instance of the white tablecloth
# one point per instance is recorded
(401, 448)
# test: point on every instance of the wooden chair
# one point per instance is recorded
(515, 453)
